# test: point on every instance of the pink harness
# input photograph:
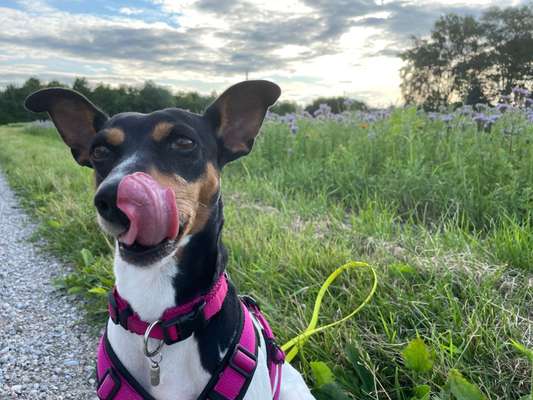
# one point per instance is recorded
(234, 374)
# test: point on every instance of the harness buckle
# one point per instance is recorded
(243, 361)
(249, 301)
(119, 317)
(124, 315)
(113, 308)
(276, 354)
(183, 326)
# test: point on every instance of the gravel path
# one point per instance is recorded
(46, 351)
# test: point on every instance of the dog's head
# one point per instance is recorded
(158, 174)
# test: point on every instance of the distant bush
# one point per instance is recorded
(284, 107)
(336, 105)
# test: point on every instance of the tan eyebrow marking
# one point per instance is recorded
(161, 131)
(115, 136)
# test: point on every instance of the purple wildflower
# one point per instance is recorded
(323, 111)
(518, 91)
(348, 102)
(502, 107)
(465, 110)
(433, 116)
(480, 117)
(493, 118)
(294, 128)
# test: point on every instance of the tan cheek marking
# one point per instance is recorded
(192, 199)
(210, 184)
(186, 194)
(161, 131)
(115, 136)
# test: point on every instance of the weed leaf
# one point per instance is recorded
(462, 389)
(322, 373)
(87, 257)
(366, 378)
(330, 391)
(418, 357)
(98, 290)
(523, 349)
(421, 392)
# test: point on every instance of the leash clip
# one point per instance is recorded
(155, 370)
(146, 350)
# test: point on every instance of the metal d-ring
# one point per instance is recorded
(155, 352)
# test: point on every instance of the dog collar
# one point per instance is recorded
(176, 323)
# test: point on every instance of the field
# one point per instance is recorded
(439, 205)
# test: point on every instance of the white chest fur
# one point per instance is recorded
(149, 291)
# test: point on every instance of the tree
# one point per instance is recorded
(509, 35)
(193, 101)
(12, 102)
(55, 83)
(145, 99)
(467, 60)
(440, 69)
(152, 97)
(82, 85)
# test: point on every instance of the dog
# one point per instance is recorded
(158, 193)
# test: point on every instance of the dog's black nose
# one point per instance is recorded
(105, 201)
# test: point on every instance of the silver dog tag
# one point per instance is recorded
(155, 373)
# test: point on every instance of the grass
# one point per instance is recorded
(441, 211)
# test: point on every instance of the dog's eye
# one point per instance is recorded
(182, 143)
(101, 153)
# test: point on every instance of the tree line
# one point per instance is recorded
(146, 98)
(468, 60)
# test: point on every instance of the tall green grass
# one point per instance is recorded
(428, 170)
(440, 211)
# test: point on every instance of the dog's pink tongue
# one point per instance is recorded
(151, 209)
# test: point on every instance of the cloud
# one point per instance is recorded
(215, 41)
(217, 6)
(250, 46)
(130, 11)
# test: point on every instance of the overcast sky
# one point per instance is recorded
(310, 48)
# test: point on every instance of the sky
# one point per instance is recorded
(311, 48)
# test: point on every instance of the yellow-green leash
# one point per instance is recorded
(294, 345)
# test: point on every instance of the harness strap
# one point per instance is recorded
(230, 383)
(113, 379)
(176, 323)
(275, 355)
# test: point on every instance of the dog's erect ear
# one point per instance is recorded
(75, 117)
(238, 114)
